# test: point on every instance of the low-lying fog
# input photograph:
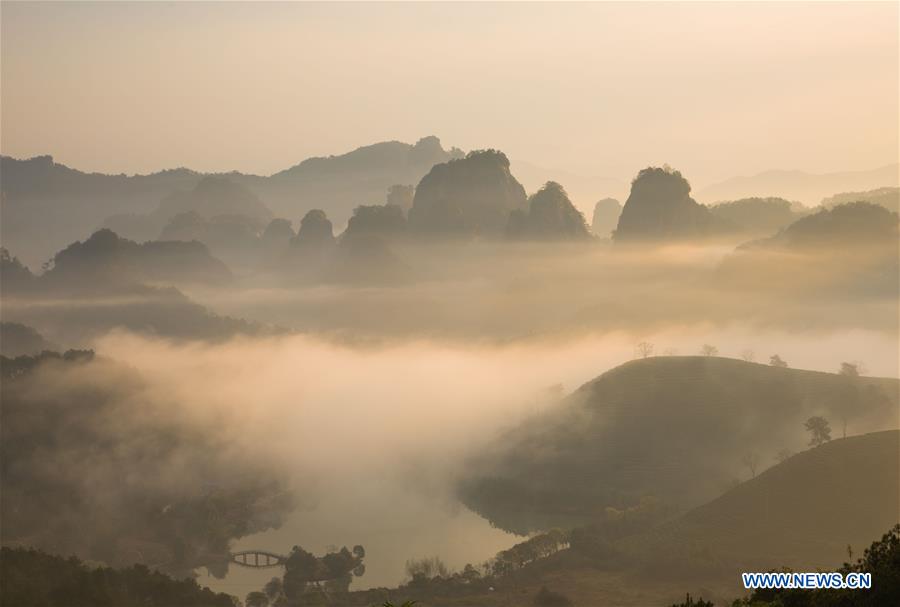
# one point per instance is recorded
(372, 435)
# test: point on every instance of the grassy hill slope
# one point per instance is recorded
(803, 512)
(676, 428)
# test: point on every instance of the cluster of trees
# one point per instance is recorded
(645, 349)
(11, 368)
(881, 560)
(428, 571)
(537, 547)
(690, 602)
(309, 579)
(32, 578)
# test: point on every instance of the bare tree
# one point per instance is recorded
(748, 355)
(644, 349)
(708, 350)
(847, 397)
(751, 460)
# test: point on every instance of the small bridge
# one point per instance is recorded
(257, 559)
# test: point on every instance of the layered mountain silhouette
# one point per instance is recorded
(857, 224)
(212, 197)
(758, 216)
(47, 205)
(850, 248)
(808, 188)
(888, 198)
(118, 283)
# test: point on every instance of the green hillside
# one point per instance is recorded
(680, 429)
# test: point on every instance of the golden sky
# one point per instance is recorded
(603, 89)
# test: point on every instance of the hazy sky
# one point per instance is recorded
(600, 89)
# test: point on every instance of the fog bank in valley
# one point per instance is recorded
(373, 436)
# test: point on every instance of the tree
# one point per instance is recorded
(776, 361)
(644, 349)
(847, 397)
(470, 573)
(427, 568)
(849, 369)
(748, 355)
(689, 602)
(751, 460)
(881, 560)
(819, 429)
(708, 350)
(273, 589)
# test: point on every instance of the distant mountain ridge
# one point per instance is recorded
(47, 205)
(808, 188)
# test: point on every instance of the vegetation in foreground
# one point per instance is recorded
(31, 578)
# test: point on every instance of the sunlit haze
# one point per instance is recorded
(596, 89)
